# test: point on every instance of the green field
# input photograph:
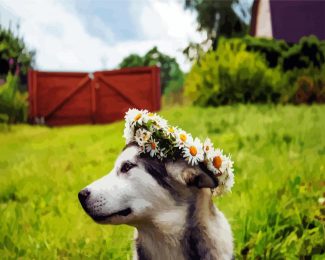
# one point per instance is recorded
(275, 208)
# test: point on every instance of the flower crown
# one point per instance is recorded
(156, 137)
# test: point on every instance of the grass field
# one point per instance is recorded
(275, 209)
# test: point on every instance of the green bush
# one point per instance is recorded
(308, 52)
(259, 70)
(13, 47)
(304, 86)
(271, 49)
(13, 104)
(231, 74)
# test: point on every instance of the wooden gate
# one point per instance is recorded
(62, 98)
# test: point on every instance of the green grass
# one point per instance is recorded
(274, 209)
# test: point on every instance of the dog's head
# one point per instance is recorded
(140, 187)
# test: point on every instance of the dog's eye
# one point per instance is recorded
(127, 166)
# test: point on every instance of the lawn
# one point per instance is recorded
(275, 208)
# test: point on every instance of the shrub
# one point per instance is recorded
(15, 57)
(308, 52)
(271, 49)
(259, 70)
(13, 104)
(305, 86)
(232, 74)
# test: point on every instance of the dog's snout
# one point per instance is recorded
(83, 195)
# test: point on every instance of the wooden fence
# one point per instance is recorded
(67, 98)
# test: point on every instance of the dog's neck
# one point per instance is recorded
(182, 232)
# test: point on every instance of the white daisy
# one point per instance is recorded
(230, 181)
(215, 161)
(226, 178)
(149, 116)
(128, 133)
(152, 147)
(142, 136)
(170, 131)
(161, 154)
(163, 124)
(158, 123)
(227, 164)
(182, 138)
(226, 181)
(193, 152)
(135, 116)
(208, 148)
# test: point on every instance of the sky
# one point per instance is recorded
(88, 35)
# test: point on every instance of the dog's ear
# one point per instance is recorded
(199, 178)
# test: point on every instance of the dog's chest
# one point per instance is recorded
(158, 249)
(158, 253)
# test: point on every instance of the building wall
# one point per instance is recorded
(296, 18)
(288, 20)
(263, 19)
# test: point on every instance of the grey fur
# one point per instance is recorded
(140, 251)
(193, 245)
(171, 208)
(158, 171)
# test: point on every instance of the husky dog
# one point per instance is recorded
(169, 204)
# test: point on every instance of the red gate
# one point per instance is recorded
(64, 98)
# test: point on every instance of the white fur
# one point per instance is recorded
(160, 221)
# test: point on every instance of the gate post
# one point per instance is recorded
(32, 95)
(93, 82)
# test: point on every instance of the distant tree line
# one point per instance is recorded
(15, 57)
(226, 18)
(172, 77)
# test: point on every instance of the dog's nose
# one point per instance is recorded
(83, 195)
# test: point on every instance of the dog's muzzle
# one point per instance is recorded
(95, 213)
(83, 195)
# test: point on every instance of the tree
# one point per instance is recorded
(15, 57)
(133, 60)
(217, 18)
(171, 75)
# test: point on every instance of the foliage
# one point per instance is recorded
(13, 103)
(259, 70)
(308, 52)
(305, 85)
(273, 209)
(217, 19)
(231, 74)
(14, 54)
(171, 75)
(271, 49)
(133, 60)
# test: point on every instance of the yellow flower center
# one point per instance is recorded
(137, 117)
(193, 150)
(171, 130)
(151, 114)
(217, 162)
(153, 146)
(183, 137)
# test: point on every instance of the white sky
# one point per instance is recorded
(67, 39)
